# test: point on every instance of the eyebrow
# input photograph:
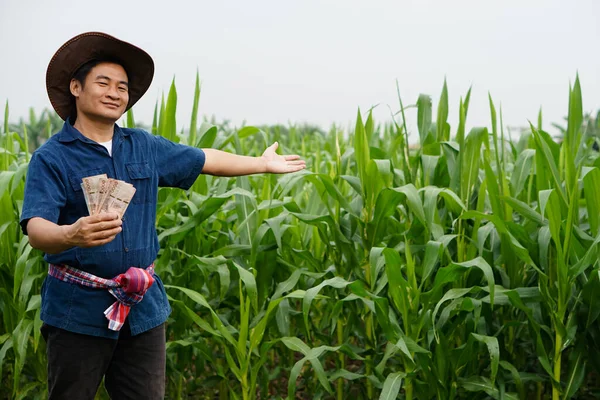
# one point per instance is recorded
(108, 79)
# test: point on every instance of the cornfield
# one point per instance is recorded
(462, 268)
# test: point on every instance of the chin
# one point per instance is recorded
(114, 113)
(117, 115)
(111, 117)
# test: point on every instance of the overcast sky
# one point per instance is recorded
(318, 61)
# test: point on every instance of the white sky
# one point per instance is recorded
(318, 61)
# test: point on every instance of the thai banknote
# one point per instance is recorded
(103, 194)
(106, 186)
(91, 186)
(119, 198)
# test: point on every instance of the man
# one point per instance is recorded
(91, 81)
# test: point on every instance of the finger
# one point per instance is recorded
(99, 242)
(295, 168)
(103, 241)
(104, 225)
(298, 162)
(100, 232)
(291, 157)
(103, 234)
(104, 216)
(107, 216)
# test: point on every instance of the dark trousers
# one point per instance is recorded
(133, 367)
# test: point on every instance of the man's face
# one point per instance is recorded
(105, 94)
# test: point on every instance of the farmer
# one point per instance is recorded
(91, 81)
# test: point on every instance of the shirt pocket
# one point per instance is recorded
(140, 175)
(76, 179)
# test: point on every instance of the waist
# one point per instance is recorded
(105, 261)
(133, 280)
(128, 289)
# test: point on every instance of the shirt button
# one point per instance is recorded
(126, 249)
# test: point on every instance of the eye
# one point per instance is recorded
(123, 89)
(102, 83)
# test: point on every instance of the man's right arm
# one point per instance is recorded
(90, 231)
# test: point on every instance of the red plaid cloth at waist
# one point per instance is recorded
(128, 288)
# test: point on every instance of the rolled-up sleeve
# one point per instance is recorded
(45, 192)
(177, 165)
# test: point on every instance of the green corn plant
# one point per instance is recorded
(463, 267)
(566, 252)
(21, 271)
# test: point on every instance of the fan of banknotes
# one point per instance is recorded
(103, 194)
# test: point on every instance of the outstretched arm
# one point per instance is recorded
(221, 163)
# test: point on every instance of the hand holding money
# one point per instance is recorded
(93, 231)
(103, 194)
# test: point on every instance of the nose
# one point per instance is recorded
(113, 93)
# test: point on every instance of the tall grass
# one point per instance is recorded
(463, 268)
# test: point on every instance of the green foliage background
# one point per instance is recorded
(464, 267)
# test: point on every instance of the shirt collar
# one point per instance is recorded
(69, 133)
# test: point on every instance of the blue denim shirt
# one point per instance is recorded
(53, 192)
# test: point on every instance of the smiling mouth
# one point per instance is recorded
(111, 105)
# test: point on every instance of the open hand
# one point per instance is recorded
(277, 164)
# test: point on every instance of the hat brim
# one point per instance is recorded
(95, 46)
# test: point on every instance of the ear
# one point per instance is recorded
(75, 87)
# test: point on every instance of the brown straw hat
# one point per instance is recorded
(95, 46)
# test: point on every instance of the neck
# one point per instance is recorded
(98, 131)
